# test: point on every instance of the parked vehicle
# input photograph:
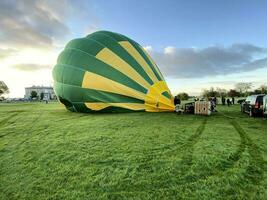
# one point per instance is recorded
(253, 105)
(240, 101)
(189, 107)
(265, 105)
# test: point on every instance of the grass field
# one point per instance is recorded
(47, 152)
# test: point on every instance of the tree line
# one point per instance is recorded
(241, 89)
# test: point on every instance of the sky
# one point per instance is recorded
(196, 44)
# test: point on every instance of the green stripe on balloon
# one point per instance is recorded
(81, 95)
(136, 45)
(119, 38)
(113, 45)
(87, 62)
(86, 44)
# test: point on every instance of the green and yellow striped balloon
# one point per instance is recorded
(107, 71)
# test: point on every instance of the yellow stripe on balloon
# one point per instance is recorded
(136, 55)
(110, 58)
(97, 82)
(155, 101)
(96, 106)
(153, 63)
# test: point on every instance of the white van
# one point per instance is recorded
(265, 105)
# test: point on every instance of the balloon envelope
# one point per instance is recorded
(106, 71)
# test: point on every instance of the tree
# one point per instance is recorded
(205, 93)
(257, 91)
(233, 93)
(42, 96)
(3, 88)
(183, 96)
(221, 91)
(210, 93)
(263, 89)
(33, 94)
(243, 87)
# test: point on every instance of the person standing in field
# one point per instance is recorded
(233, 100)
(213, 104)
(228, 102)
(223, 101)
(177, 103)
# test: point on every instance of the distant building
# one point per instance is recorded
(48, 92)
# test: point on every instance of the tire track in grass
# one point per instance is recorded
(187, 152)
(186, 148)
(218, 170)
(253, 149)
(7, 119)
(185, 165)
(228, 163)
(245, 143)
(254, 171)
(181, 169)
(256, 167)
(27, 130)
(236, 156)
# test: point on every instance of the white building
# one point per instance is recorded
(48, 92)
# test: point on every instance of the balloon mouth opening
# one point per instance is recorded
(67, 104)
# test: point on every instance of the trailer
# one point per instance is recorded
(202, 108)
(197, 108)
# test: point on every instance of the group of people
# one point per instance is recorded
(213, 103)
(212, 100)
(177, 102)
(228, 101)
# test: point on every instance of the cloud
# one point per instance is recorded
(211, 61)
(169, 50)
(30, 67)
(31, 23)
(148, 48)
(91, 29)
(4, 53)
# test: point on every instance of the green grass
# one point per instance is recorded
(47, 152)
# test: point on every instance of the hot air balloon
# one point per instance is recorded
(109, 72)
